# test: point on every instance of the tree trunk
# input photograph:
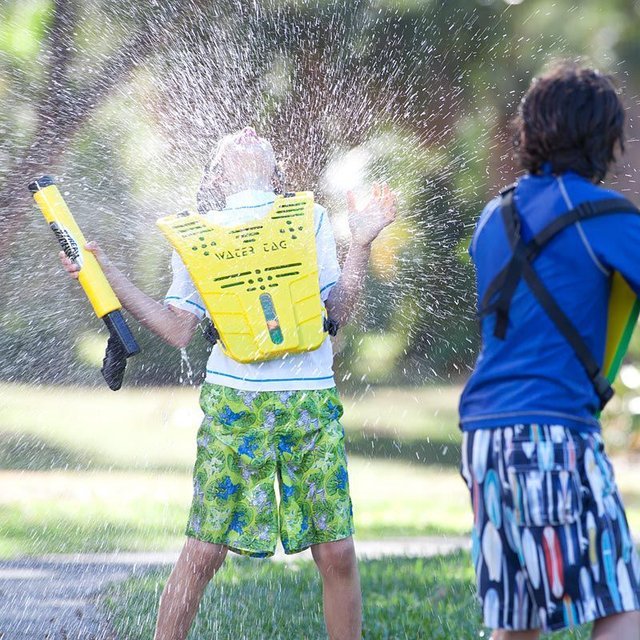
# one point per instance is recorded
(61, 111)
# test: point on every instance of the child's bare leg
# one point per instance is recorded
(179, 602)
(623, 625)
(341, 588)
(503, 634)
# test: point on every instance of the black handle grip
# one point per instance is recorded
(120, 346)
(41, 183)
(118, 329)
(331, 327)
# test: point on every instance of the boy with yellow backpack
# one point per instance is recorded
(269, 398)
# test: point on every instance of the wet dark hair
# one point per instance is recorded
(212, 197)
(572, 118)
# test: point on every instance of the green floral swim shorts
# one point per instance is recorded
(246, 440)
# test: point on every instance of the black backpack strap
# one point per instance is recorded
(584, 211)
(521, 266)
(513, 271)
(570, 333)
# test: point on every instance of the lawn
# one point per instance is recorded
(72, 511)
(89, 470)
(404, 598)
(153, 429)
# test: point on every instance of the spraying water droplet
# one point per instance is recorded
(185, 368)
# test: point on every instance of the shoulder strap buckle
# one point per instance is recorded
(603, 389)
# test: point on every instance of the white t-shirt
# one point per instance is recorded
(309, 370)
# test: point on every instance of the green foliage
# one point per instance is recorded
(423, 91)
(22, 28)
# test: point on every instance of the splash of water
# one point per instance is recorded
(186, 371)
(414, 93)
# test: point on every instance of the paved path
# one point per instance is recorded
(54, 597)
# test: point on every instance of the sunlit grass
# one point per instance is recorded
(429, 412)
(93, 470)
(90, 470)
(68, 512)
(73, 511)
(130, 429)
(155, 428)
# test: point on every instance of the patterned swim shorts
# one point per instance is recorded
(550, 544)
(246, 440)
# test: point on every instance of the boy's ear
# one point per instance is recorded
(522, 138)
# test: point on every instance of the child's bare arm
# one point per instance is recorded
(174, 326)
(365, 223)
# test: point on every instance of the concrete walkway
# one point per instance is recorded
(55, 597)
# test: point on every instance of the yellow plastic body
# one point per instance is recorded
(258, 280)
(93, 281)
(624, 308)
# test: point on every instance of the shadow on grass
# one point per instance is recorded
(445, 453)
(29, 453)
(24, 451)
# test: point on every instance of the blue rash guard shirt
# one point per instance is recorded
(534, 376)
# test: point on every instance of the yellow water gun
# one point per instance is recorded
(121, 343)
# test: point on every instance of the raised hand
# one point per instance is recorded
(369, 219)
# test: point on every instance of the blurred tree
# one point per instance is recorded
(46, 57)
(130, 98)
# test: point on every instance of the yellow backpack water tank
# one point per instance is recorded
(258, 280)
(624, 308)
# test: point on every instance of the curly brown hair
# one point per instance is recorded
(572, 118)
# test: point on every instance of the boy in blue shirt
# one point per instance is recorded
(551, 543)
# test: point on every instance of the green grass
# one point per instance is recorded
(404, 598)
(70, 512)
(69, 427)
(75, 511)
(414, 425)
(424, 413)
(92, 470)
(153, 429)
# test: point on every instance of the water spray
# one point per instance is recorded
(121, 343)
